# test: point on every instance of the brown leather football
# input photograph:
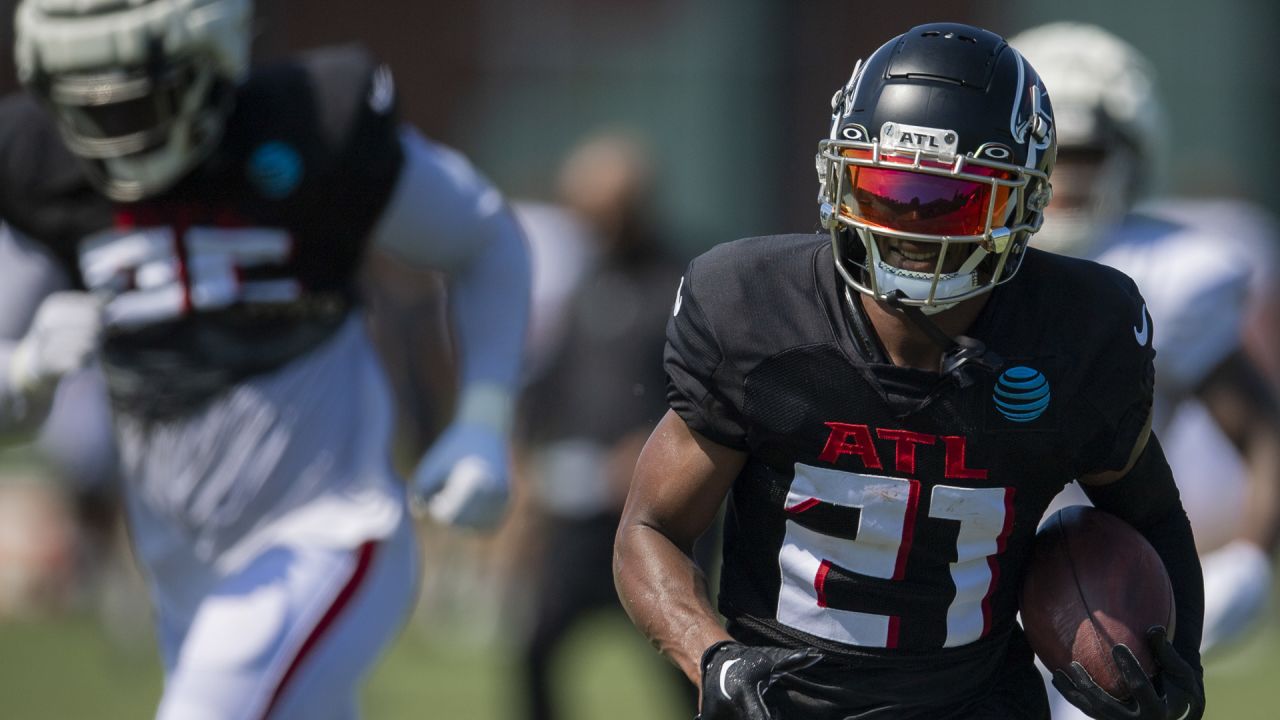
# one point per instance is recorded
(1092, 583)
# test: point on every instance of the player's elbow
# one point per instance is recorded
(624, 558)
(632, 542)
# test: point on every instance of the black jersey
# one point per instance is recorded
(311, 149)
(885, 513)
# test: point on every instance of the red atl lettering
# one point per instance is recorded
(905, 443)
(955, 460)
(854, 439)
(838, 443)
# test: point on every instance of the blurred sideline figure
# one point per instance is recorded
(1195, 278)
(217, 217)
(599, 391)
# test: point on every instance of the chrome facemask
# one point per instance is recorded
(987, 234)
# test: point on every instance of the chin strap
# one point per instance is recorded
(960, 354)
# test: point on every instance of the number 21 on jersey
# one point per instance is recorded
(882, 543)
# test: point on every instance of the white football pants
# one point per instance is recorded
(291, 635)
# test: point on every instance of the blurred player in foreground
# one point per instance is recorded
(1195, 277)
(889, 427)
(217, 217)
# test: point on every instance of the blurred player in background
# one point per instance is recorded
(602, 390)
(216, 217)
(1195, 263)
(889, 408)
(76, 439)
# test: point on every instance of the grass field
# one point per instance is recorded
(67, 669)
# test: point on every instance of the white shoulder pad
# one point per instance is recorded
(1196, 295)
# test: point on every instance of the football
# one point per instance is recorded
(1093, 583)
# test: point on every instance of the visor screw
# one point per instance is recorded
(949, 138)
(888, 129)
(1039, 128)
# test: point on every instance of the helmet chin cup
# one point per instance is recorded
(907, 285)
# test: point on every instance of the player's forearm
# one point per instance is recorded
(1147, 498)
(489, 305)
(665, 594)
(1173, 542)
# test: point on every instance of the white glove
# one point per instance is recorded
(1237, 579)
(63, 337)
(463, 479)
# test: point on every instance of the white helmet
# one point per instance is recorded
(140, 88)
(1106, 104)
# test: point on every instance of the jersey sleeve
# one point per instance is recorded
(702, 388)
(443, 212)
(1203, 330)
(1118, 373)
(357, 115)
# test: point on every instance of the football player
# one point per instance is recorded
(214, 217)
(1196, 278)
(889, 407)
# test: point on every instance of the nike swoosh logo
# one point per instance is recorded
(679, 299)
(1185, 713)
(1145, 333)
(724, 670)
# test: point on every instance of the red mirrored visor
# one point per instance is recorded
(918, 202)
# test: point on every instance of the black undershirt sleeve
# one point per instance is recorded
(1147, 498)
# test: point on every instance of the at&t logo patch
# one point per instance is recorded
(1021, 394)
(275, 169)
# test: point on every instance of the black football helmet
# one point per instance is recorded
(936, 170)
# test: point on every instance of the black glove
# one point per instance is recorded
(736, 677)
(1183, 697)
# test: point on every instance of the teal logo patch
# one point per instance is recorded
(275, 169)
(1021, 394)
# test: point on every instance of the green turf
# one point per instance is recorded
(67, 669)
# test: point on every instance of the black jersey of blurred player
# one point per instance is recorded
(887, 511)
(311, 147)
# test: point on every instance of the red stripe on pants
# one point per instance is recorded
(364, 558)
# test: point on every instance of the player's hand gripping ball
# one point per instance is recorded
(1095, 603)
